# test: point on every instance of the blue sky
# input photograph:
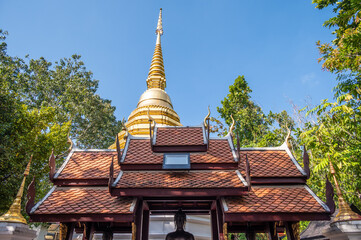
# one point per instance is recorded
(206, 45)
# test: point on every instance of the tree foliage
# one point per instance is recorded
(251, 124)
(336, 134)
(40, 103)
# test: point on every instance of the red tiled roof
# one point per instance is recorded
(281, 199)
(270, 163)
(191, 179)
(175, 136)
(219, 152)
(89, 165)
(140, 152)
(84, 200)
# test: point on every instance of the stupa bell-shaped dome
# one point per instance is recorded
(155, 96)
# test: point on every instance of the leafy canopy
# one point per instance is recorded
(40, 102)
(253, 127)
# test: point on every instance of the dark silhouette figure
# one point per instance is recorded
(180, 219)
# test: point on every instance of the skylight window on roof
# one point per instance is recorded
(176, 161)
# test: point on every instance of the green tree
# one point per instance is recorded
(336, 134)
(253, 127)
(39, 105)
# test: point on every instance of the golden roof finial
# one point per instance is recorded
(206, 118)
(156, 75)
(288, 138)
(126, 132)
(14, 212)
(159, 25)
(232, 127)
(345, 213)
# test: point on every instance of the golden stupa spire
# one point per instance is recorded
(345, 213)
(156, 75)
(154, 102)
(14, 212)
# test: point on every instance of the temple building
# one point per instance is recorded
(157, 167)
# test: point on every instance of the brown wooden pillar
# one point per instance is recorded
(214, 224)
(272, 231)
(69, 231)
(250, 233)
(292, 230)
(220, 220)
(145, 228)
(139, 219)
(88, 231)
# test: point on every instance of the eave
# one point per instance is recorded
(180, 148)
(81, 182)
(194, 166)
(178, 192)
(264, 216)
(82, 217)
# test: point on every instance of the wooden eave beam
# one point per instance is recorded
(81, 218)
(177, 192)
(260, 217)
(277, 180)
(175, 199)
(180, 148)
(194, 166)
(81, 182)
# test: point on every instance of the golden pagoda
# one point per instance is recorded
(14, 215)
(345, 212)
(154, 100)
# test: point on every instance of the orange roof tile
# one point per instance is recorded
(84, 200)
(140, 152)
(280, 199)
(219, 151)
(191, 179)
(175, 136)
(89, 165)
(270, 163)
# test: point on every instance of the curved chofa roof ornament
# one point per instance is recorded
(70, 142)
(151, 120)
(207, 118)
(232, 127)
(287, 143)
(126, 131)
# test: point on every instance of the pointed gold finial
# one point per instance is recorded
(156, 75)
(126, 132)
(159, 25)
(345, 213)
(231, 128)
(288, 138)
(70, 142)
(206, 118)
(14, 212)
(150, 119)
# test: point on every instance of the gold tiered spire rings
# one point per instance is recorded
(156, 75)
(14, 213)
(154, 100)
